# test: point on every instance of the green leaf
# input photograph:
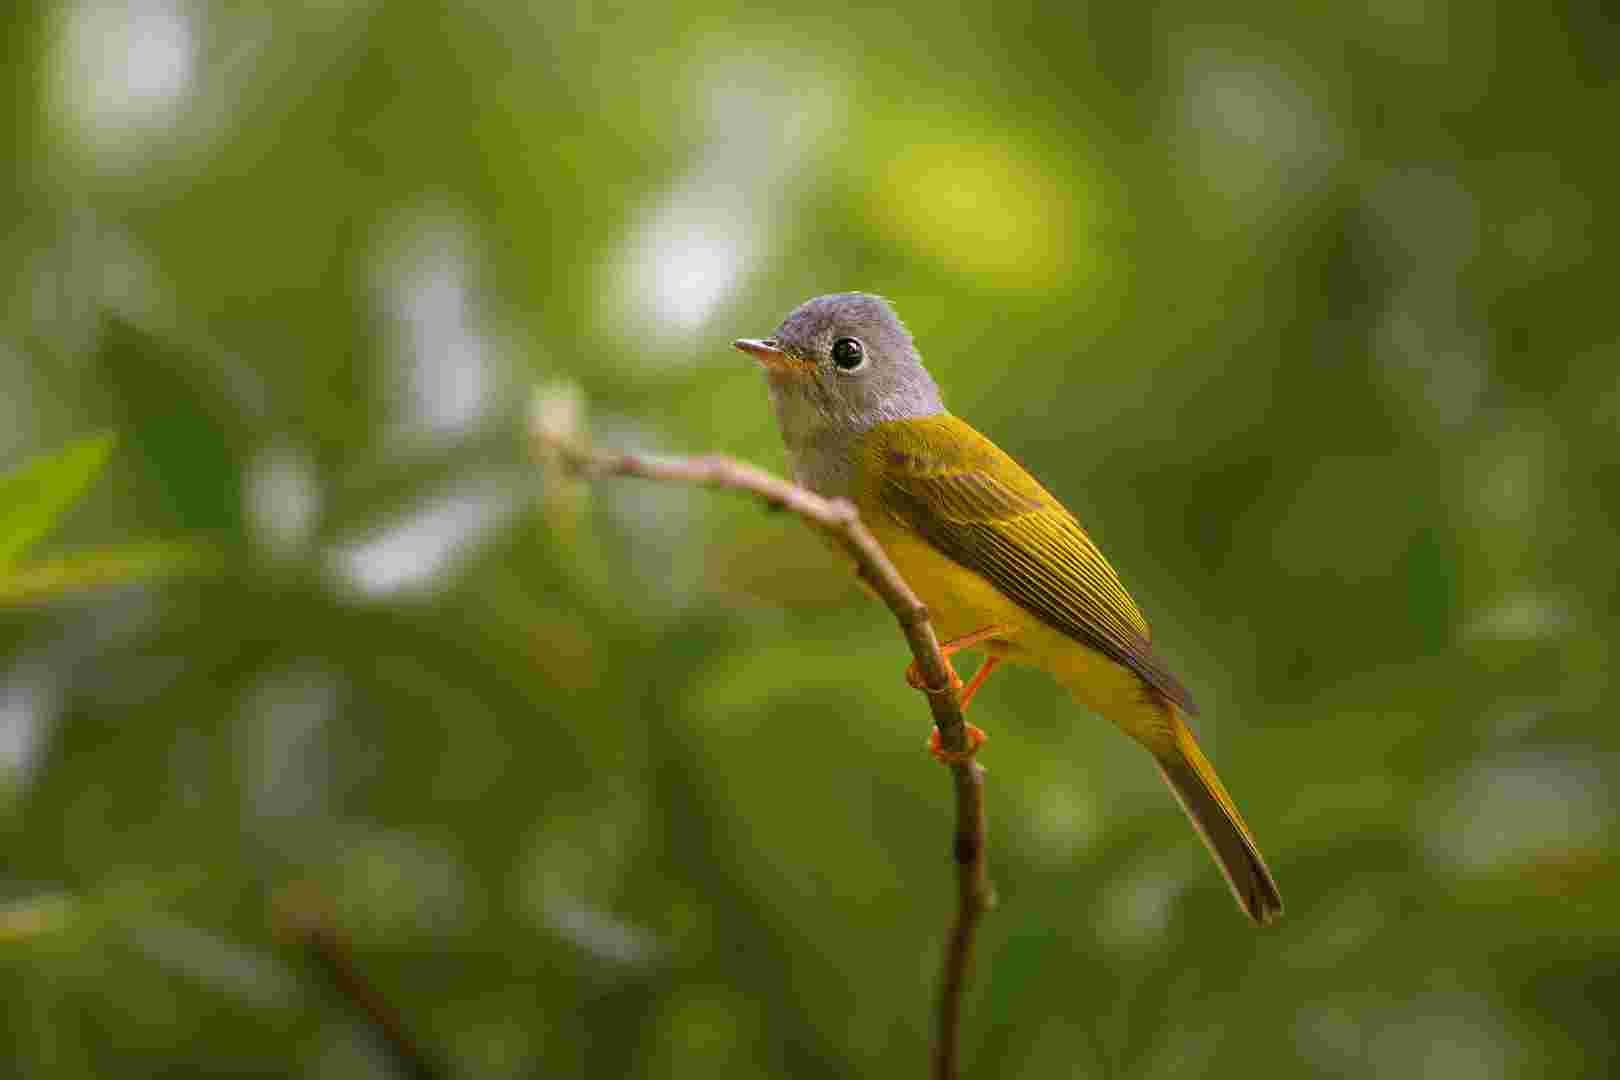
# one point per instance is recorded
(34, 581)
(35, 494)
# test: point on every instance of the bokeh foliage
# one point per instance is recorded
(1306, 311)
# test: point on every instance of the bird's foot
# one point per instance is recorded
(975, 739)
(915, 680)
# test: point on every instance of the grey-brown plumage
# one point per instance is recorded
(821, 416)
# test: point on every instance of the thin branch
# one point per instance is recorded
(838, 519)
(304, 915)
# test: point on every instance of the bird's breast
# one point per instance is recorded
(959, 600)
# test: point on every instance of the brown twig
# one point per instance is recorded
(837, 518)
(303, 915)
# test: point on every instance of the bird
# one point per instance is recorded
(997, 560)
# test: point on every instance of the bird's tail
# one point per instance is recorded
(1201, 794)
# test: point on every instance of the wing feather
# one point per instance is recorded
(982, 509)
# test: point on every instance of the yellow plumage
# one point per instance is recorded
(984, 544)
(998, 561)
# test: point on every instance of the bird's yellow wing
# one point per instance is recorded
(961, 493)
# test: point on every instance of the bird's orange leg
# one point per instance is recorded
(977, 681)
(914, 677)
(975, 735)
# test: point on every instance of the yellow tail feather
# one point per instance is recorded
(1199, 790)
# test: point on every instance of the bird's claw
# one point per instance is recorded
(975, 739)
(915, 680)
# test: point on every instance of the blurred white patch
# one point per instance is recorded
(419, 551)
(573, 871)
(283, 501)
(1255, 134)
(599, 933)
(689, 255)
(1135, 910)
(450, 378)
(218, 963)
(557, 412)
(448, 364)
(692, 249)
(1529, 615)
(124, 71)
(282, 745)
(29, 700)
(1516, 809)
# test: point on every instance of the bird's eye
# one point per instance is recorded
(848, 354)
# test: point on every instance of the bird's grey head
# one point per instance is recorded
(837, 365)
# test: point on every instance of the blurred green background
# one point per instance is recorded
(1305, 312)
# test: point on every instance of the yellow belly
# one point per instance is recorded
(961, 601)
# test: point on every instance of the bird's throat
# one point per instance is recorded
(818, 447)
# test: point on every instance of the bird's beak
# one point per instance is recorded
(770, 355)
